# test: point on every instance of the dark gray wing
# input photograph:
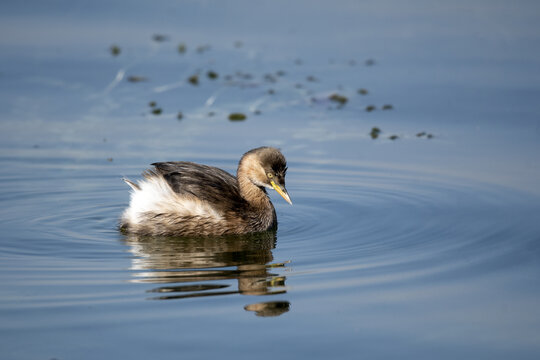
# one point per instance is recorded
(207, 183)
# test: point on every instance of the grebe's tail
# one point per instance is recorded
(132, 184)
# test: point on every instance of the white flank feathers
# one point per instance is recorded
(155, 195)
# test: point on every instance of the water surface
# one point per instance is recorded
(424, 246)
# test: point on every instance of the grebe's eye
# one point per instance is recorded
(270, 175)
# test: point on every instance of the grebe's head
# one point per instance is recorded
(265, 167)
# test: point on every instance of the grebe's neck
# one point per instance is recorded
(254, 194)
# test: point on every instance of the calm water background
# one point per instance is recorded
(413, 247)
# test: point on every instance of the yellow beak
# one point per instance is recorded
(281, 191)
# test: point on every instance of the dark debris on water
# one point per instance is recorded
(182, 48)
(115, 50)
(362, 91)
(375, 132)
(160, 37)
(194, 80)
(154, 109)
(237, 117)
(270, 78)
(370, 108)
(337, 98)
(423, 133)
(136, 78)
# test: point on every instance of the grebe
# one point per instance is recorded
(189, 199)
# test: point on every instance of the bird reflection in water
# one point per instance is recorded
(191, 267)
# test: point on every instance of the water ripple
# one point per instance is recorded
(401, 224)
(350, 225)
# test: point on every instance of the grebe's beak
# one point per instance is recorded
(281, 191)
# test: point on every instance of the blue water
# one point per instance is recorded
(417, 247)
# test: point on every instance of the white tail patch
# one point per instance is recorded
(154, 195)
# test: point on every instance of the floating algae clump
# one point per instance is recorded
(393, 137)
(182, 48)
(370, 108)
(115, 50)
(362, 91)
(157, 111)
(237, 117)
(423, 133)
(340, 99)
(136, 78)
(194, 79)
(375, 132)
(212, 75)
(387, 107)
(160, 37)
